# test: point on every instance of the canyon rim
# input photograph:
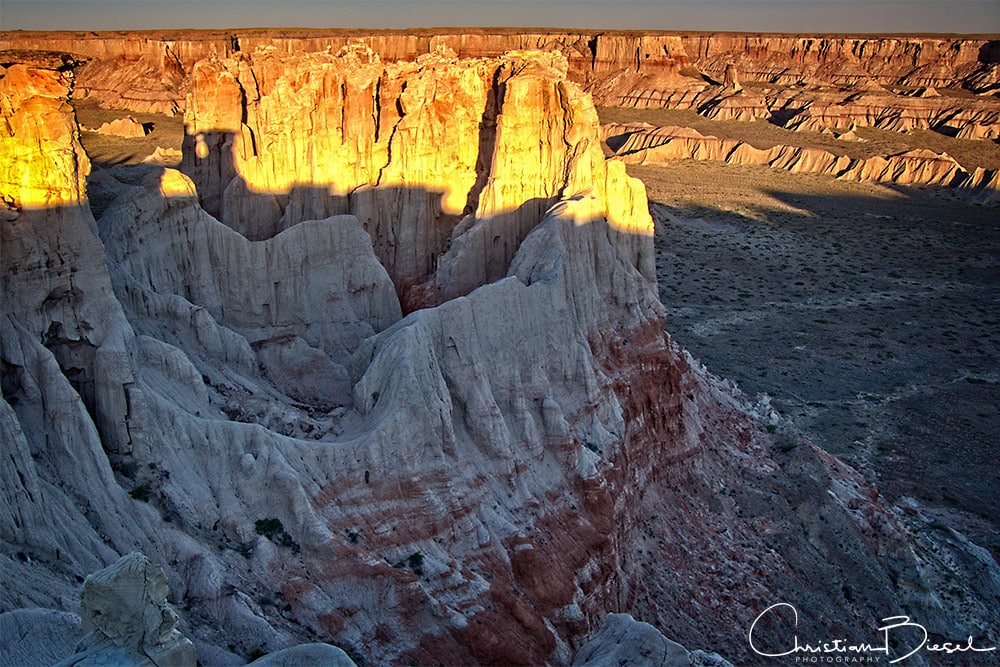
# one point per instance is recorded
(319, 338)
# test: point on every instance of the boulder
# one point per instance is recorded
(127, 619)
(306, 655)
(624, 642)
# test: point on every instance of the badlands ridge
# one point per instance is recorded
(379, 362)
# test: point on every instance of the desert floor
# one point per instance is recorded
(870, 314)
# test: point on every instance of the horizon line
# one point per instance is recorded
(991, 36)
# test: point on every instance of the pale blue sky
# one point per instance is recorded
(935, 16)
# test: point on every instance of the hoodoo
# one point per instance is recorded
(383, 365)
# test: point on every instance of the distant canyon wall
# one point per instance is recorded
(118, 75)
(641, 144)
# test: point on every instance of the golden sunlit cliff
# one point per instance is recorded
(448, 163)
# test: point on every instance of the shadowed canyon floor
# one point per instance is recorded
(869, 313)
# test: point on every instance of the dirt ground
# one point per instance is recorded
(870, 314)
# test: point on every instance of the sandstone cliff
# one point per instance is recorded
(622, 68)
(643, 144)
(448, 163)
(836, 59)
(481, 480)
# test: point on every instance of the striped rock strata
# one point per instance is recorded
(644, 144)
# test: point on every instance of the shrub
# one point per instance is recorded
(268, 527)
(126, 469)
(414, 561)
(273, 530)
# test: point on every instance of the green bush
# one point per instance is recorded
(414, 561)
(268, 527)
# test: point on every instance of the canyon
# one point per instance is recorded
(372, 353)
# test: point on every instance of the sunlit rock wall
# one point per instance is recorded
(448, 163)
(628, 67)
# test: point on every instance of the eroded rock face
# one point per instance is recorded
(813, 83)
(624, 641)
(642, 144)
(837, 59)
(127, 127)
(64, 341)
(40, 147)
(265, 290)
(118, 74)
(500, 470)
(893, 112)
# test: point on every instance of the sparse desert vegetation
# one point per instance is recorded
(868, 312)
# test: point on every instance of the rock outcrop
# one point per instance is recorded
(127, 620)
(483, 479)
(892, 112)
(127, 127)
(980, 131)
(306, 655)
(622, 641)
(447, 163)
(41, 161)
(643, 144)
(266, 291)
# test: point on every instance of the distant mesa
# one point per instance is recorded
(124, 127)
(642, 144)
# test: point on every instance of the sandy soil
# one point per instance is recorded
(871, 314)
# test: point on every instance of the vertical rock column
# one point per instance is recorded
(53, 268)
